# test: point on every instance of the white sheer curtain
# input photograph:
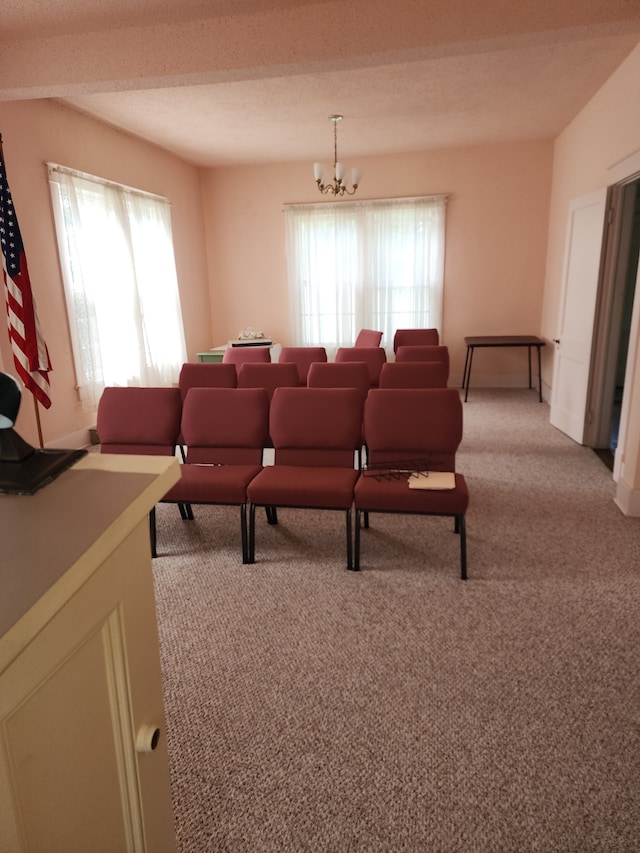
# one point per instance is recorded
(118, 266)
(369, 264)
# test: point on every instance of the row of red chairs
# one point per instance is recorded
(408, 345)
(303, 358)
(402, 337)
(272, 375)
(316, 435)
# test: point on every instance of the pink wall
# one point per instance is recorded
(605, 132)
(231, 260)
(35, 132)
(497, 221)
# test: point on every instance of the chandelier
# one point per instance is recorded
(339, 184)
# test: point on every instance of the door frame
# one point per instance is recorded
(608, 315)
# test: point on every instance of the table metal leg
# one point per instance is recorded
(466, 362)
(529, 352)
(468, 372)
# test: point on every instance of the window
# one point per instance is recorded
(118, 267)
(371, 264)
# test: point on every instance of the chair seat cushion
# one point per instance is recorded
(215, 484)
(394, 495)
(303, 486)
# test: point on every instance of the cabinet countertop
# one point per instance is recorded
(53, 540)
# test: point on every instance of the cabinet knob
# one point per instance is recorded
(147, 738)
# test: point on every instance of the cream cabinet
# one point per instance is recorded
(83, 747)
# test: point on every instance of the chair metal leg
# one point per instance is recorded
(349, 526)
(186, 513)
(152, 531)
(243, 533)
(462, 530)
(356, 554)
(251, 556)
(272, 514)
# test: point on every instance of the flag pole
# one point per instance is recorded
(38, 424)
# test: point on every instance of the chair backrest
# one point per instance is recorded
(374, 358)
(139, 420)
(224, 426)
(316, 426)
(348, 374)
(368, 338)
(426, 353)
(413, 425)
(414, 374)
(268, 376)
(415, 337)
(240, 355)
(302, 357)
(206, 375)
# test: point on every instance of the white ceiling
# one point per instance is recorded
(245, 81)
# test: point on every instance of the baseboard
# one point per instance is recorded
(74, 440)
(627, 499)
(500, 380)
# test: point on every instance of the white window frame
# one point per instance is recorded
(116, 255)
(376, 264)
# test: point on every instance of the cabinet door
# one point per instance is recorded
(74, 709)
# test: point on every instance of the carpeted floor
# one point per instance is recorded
(400, 709)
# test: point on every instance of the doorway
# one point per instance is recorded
(612, 327)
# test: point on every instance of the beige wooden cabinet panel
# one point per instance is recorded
(83, 755)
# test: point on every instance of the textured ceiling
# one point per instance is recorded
(242, 81)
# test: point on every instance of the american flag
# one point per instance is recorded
(30, 352)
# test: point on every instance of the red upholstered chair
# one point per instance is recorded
(348, 374)
(412, 430)
(204, 375)
(316, 433)
(427, 353)
(415, 337)
(368, 338)
(240, 355)
(225, 430)
(414, 374)
(140, 421)
(374, 358)
(302, 357)
(268, 376)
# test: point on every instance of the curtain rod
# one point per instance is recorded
(53, 168)
(370, 201)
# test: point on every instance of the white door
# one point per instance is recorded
(583, 250)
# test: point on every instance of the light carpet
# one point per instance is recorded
(400, 709)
